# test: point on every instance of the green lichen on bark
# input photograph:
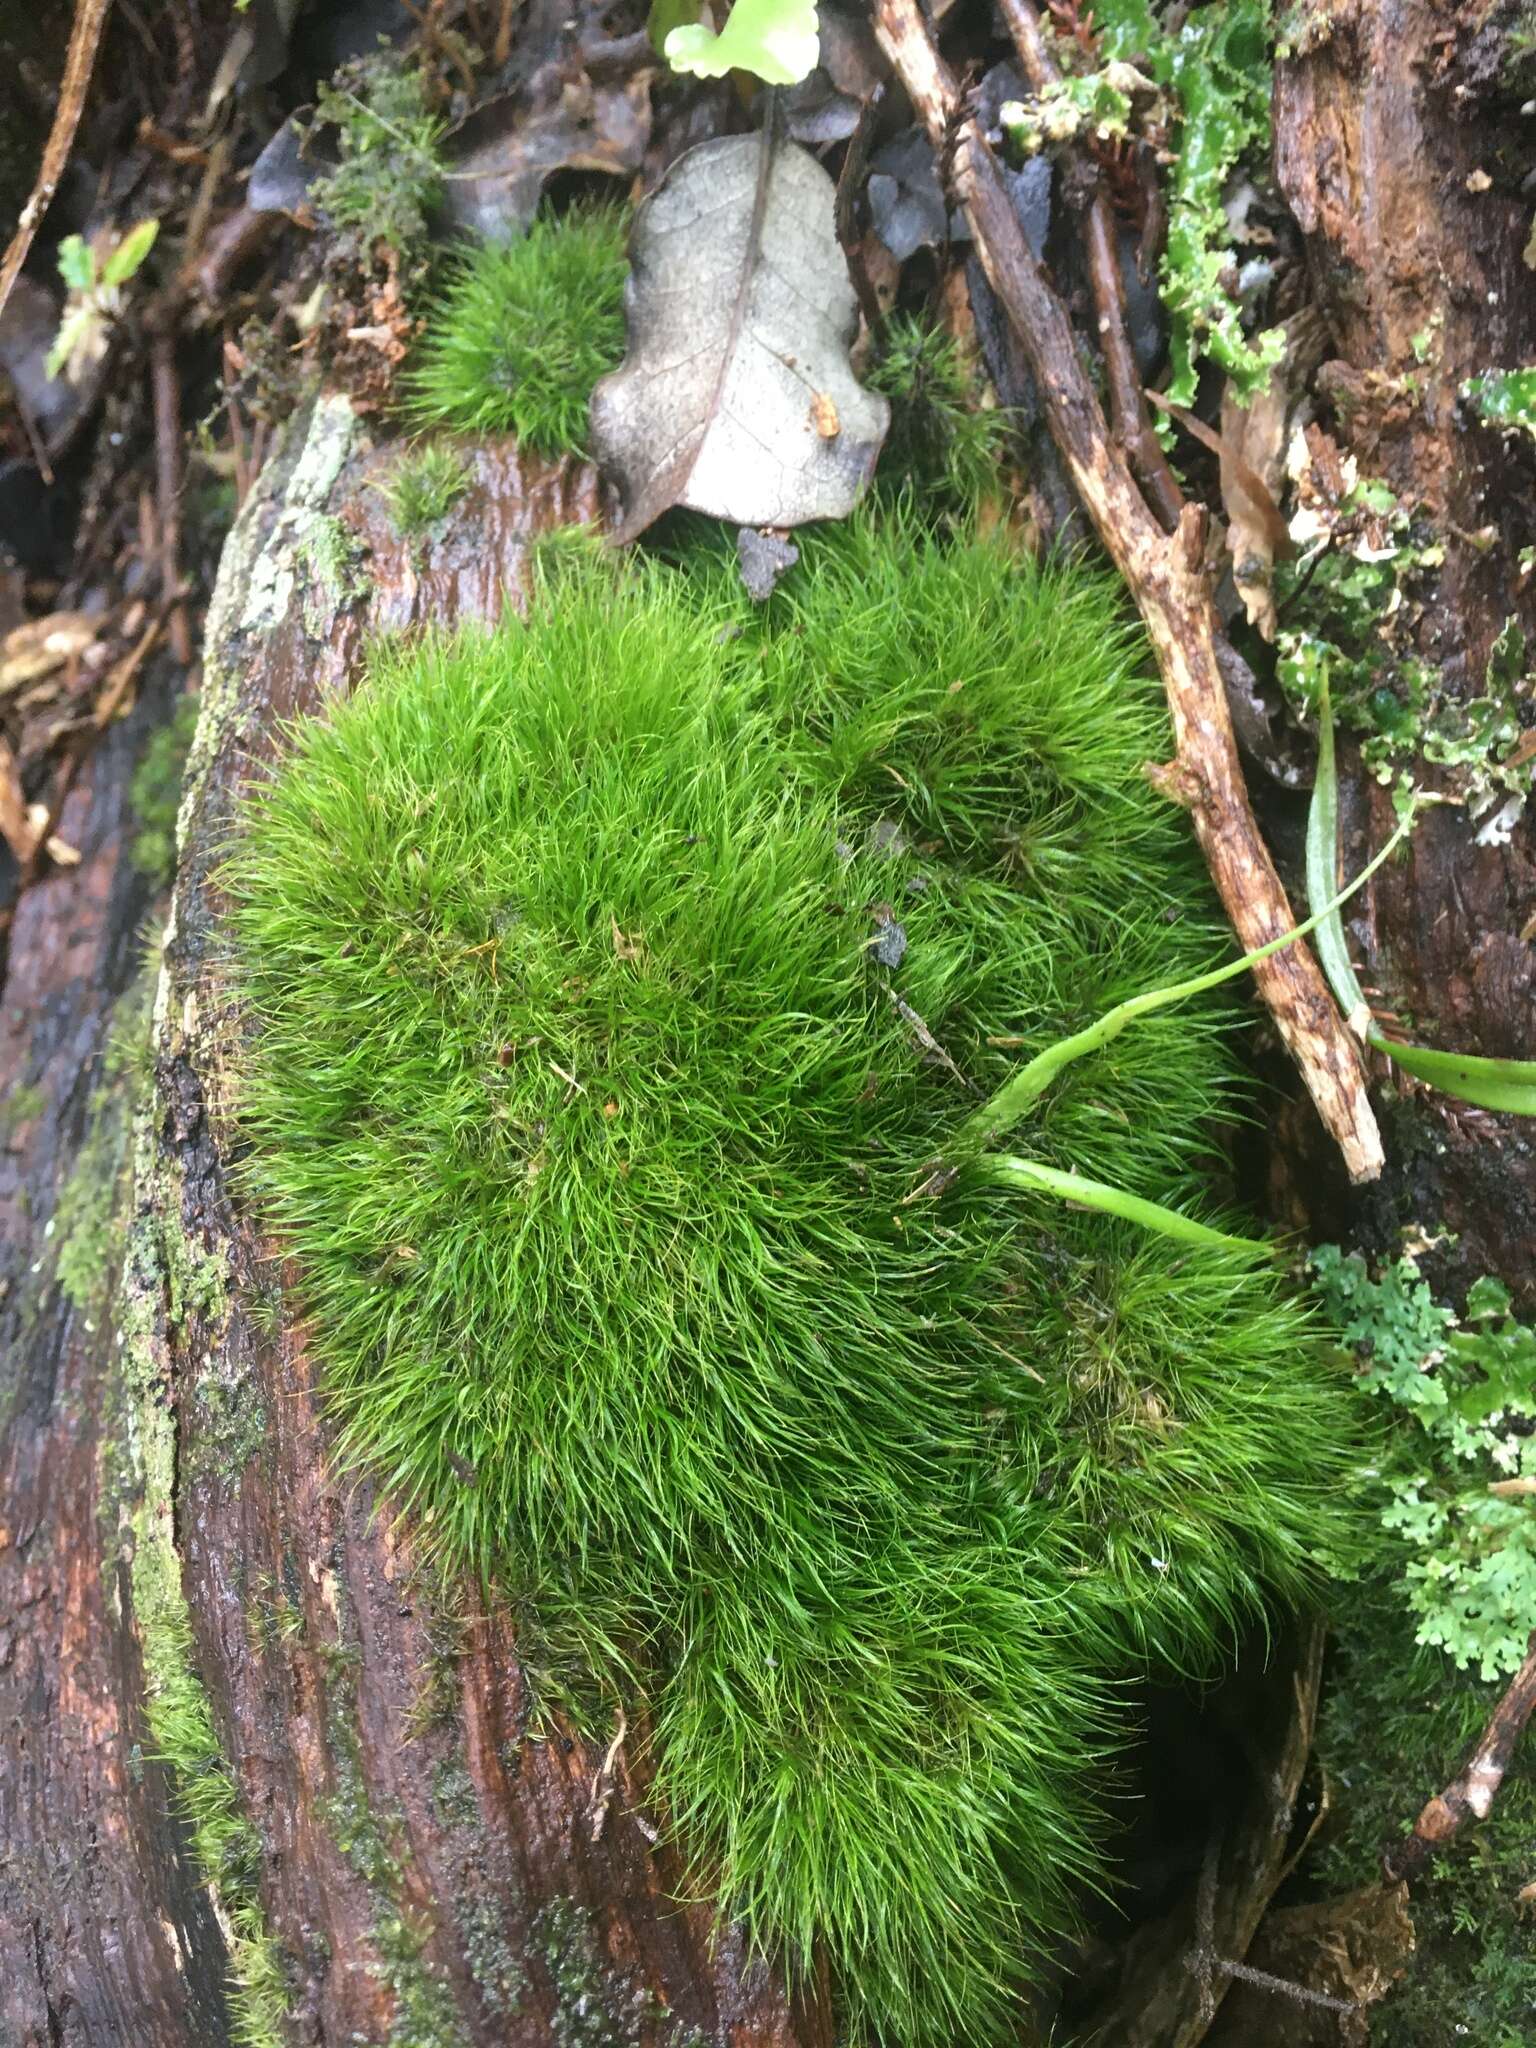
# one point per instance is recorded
(138, 1492)
(372, 1843)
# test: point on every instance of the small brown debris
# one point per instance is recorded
(824, 417)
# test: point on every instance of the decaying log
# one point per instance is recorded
(106, 1935)
(1400, 144)
(1166, 577)
(427, 1867)
(421, 1848)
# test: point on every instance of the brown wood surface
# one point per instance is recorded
(1400, 146)
(418, 1841)
(105, 1932)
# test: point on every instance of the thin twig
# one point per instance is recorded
(1127, 406)
(84, 41)
(1207, 1963)
(1471, 1795)
(1168, 581)
(167, 400)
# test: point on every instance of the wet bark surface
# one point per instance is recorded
(106, 1933)
(429, 1862)
(1400, 147)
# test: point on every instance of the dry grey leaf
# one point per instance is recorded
(740, 315)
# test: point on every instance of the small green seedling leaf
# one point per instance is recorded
(130, 252)
(666, 15)
(777, 40)
(75, 329)
(77, 263)
(1506, 1085)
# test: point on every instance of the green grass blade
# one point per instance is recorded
(1004, 1109)
(1508, 1085)
(1322, 863)
(1096, 1194)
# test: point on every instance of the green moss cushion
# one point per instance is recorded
(595, 970)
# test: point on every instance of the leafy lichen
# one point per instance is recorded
(1456, 1477)
(1215, 68)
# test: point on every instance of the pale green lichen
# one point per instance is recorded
(424, 2011)
(334, 556)
(138, 1491)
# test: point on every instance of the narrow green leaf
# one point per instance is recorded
(130, 252)
(1322, 859)
(1003, 1109)
(1112, 1201)
(1508, 1085)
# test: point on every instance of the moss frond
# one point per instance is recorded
(423, 488)
(523, 330)
(944, 444)
(580, 1087)
(388, 141)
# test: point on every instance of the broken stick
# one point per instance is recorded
(1127, 404)
(1469, 1796)
(1166, 577)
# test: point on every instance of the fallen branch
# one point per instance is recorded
(1166, 576)
(1471, 1795)
(1127, 402)
(84, 41)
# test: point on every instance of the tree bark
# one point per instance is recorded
(106, 1933)
(1400, 146)
(432, 1869)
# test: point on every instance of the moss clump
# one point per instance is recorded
(24, 1103)
(524, 330)
(944, 445)
(423, 488)
(389, 169)
(582, 960)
